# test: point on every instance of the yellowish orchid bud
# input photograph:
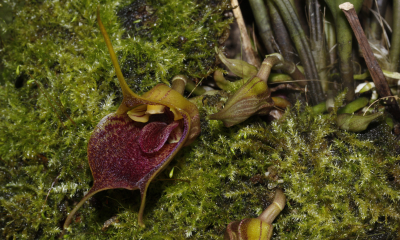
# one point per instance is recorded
(257, 228)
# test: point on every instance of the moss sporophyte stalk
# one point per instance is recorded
(68, 124)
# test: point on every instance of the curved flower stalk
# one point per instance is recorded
(260, 227)
(128, 148)
(254, 97)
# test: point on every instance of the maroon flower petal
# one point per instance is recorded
(154, 135)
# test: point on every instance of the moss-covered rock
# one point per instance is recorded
(57, 82)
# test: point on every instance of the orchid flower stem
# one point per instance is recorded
(194, 89)
(272, 211)
(292, 23)
(394, 54)
(220, 79)
(179, 83)
(243, 34)
(281, 33)
(266, 66)
(262, 20)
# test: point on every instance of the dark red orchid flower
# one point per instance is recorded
(128, 148)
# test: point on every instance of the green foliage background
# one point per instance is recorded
(338, 184)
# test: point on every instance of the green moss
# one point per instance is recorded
(338, 184)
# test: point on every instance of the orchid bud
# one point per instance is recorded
(257, 228)
(253, 97)
(238, 67)
(355, 123)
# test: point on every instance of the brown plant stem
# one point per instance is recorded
(262, 21)
(285, 44)
(376, 72)
(246, 44)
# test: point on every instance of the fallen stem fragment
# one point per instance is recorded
(379, 79)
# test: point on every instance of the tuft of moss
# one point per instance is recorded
(57, 82)
(338, 184)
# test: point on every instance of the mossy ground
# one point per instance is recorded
(338, 184)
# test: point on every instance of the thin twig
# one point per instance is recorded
(48, 193)
(366, 110)
(244, 36)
